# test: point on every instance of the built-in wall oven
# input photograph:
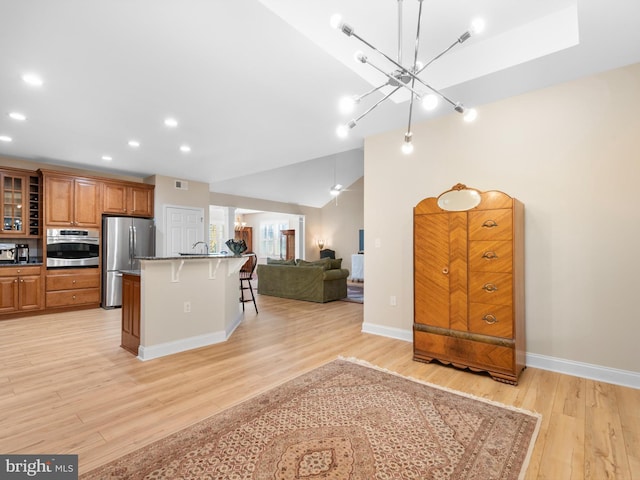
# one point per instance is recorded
(73, 248)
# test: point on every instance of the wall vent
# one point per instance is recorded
(181, 185)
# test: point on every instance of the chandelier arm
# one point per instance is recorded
(399, 31)
(394, 79)
(376, 104)
(438, 56)
(415, 62)
(373, 90)
(354, 34)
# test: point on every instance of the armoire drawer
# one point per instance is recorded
(462, 352)
(492, 288)
(491, 256)
(493, 320)
(491, 224)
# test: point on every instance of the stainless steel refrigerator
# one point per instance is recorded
(123, 239)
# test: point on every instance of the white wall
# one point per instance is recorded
(341, 222)
(571, 153)
(197, 196)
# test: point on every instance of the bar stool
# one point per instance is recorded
(246, 275)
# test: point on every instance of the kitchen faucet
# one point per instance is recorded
(201, 242)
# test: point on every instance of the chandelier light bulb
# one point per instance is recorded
(407, 145)
(477, 26)
(335, 21)
(342, 131)
(429, 102)
(360, 57)
(347, 104)
(470, 115)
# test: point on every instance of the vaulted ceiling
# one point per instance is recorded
(254, 85)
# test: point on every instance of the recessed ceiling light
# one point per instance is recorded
(107, 158)
(134, 143)
(5, 138)
(185, 148)
(32, 79)
(171, 122)
(18, 116)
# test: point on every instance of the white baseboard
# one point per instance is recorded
(397, 333)
(599, 373)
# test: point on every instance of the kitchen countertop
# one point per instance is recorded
(191, 255)
(130, 272)
(30, 264)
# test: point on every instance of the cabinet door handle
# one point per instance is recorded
(489, 287)
(489, 224)
(445, 271)
(490, 319)
(489, 255)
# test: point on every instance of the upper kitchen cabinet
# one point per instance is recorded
(71, 201)
(20, 194)
(121, 198)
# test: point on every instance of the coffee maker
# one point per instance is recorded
(22, 253)
(7, 252)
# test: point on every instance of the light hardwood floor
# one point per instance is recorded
(67, 387)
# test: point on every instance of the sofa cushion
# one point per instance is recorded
(336, 263)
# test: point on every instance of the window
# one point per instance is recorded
(216, 237)
(271, 241)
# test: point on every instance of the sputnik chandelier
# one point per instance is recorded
(402, 77)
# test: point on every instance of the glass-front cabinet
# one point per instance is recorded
(20, 195)
(13, 204)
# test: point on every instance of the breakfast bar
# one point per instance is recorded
(186, 302)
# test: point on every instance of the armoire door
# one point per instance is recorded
(441, 270)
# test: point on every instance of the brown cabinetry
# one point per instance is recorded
(71, 201)
(72, 287)
(130, 339)
(20, 289)
(20, 202)
(469, 285)
(125, 199)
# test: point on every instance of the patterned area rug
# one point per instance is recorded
(344, 420)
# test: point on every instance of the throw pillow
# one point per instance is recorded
(279, 261)
(336, 263)
(325, 263)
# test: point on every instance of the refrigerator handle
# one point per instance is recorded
(135, 243)
(130, 244)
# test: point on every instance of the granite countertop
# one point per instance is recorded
(130, 272)
(30, 264)
(191, 255)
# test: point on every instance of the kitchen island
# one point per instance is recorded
(186, 302)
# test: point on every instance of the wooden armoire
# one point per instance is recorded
(469, 282)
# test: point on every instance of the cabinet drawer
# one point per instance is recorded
(18, 271)
(494, 320)
(492, 288)
(491, 256)
(66, 298)
(462, 352)
(68, 282)
(491, 224)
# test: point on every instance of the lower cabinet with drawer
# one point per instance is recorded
(469, 282)
(72, 287)
(20, 289)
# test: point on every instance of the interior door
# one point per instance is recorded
(184, 227)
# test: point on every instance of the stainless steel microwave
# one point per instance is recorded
(73, 248)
